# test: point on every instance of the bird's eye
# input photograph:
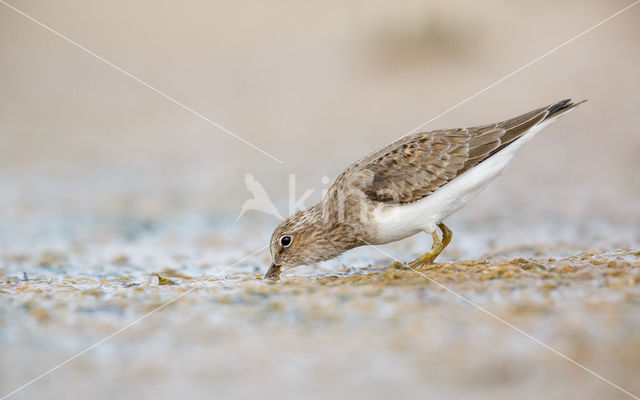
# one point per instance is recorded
(285, 241)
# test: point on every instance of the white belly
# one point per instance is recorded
(398, 221)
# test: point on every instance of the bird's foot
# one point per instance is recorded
(428, 267)
(425, 260)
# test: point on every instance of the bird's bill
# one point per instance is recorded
(273, 272)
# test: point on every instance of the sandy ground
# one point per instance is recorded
(114, 201)
(352, 327)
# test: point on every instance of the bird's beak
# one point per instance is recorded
(273, 272)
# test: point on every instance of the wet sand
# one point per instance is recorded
(195, 328)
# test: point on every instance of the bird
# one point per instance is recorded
(260, 201)
(407, 187)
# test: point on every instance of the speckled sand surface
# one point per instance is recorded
(361, 330)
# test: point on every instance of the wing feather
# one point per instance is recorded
(417, 165)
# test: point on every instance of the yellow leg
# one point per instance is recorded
(436, 249)
(446, 234)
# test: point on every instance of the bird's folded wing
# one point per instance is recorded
(417, 165)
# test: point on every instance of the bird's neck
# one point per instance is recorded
(333, 232)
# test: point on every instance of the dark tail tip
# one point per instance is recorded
(561, 107)
(558, 106)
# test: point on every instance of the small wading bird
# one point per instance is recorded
(407, 187)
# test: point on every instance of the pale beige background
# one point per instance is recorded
(316, 84)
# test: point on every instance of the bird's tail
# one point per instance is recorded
(561, 107)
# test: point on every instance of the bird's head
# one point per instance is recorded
(304, 238)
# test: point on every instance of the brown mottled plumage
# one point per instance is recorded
(403, 172)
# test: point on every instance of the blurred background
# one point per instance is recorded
(98, 171)
(317, 85)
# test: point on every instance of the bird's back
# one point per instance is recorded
(417, 165)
